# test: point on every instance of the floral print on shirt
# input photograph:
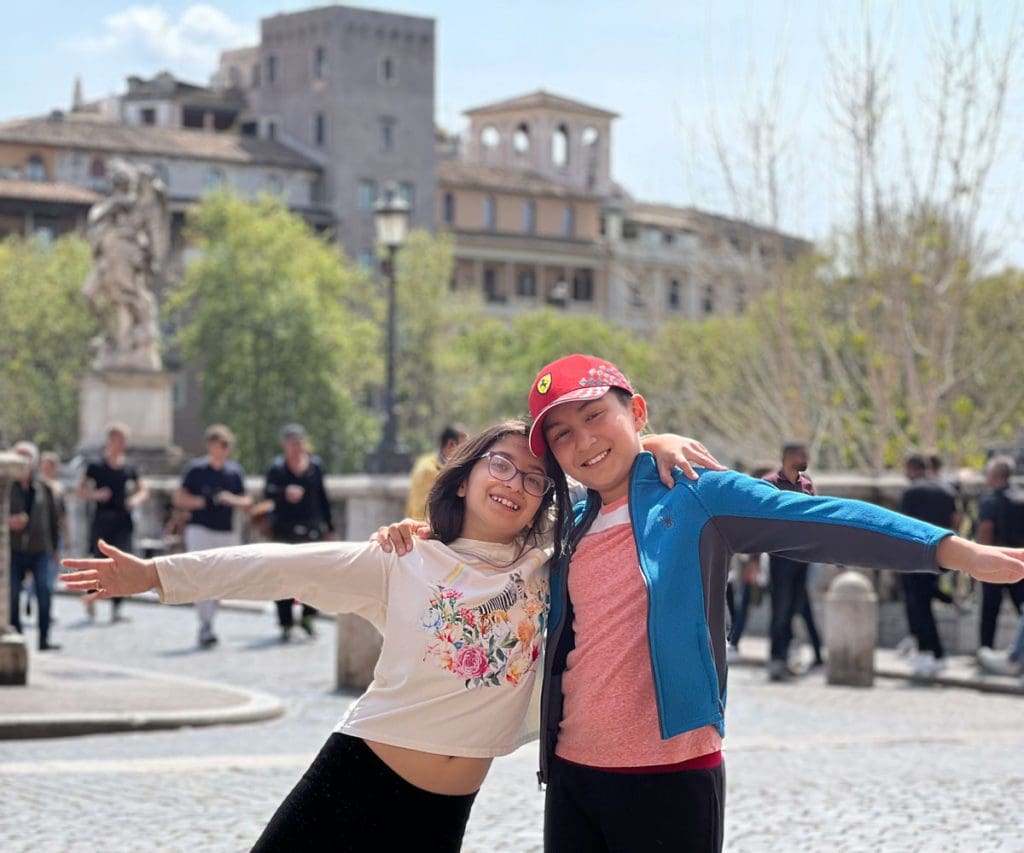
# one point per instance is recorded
(494, 643)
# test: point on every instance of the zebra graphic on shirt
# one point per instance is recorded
(514, 591)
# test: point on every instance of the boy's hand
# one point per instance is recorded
(119, 575)
(677, 451)
(398, 537)
(985, 562)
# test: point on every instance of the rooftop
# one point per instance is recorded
(541, 100)
(458, 173)
(47, 191)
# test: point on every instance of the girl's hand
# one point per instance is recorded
(984, 562)
(399, 537)
(119, 575)
(672, 451)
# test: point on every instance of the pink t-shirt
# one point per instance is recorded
(610, 715)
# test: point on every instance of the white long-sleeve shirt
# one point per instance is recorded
(462, 623)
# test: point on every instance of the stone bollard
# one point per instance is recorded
(13, 656)
(372, 501)
(851, 621)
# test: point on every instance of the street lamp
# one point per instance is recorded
(391, 223)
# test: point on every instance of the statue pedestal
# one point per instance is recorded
(142, 400)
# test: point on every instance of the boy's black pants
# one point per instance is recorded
(588, 810)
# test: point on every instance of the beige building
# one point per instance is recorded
(538, 220)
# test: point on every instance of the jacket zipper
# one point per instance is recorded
(647, 587)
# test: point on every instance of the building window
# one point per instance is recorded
(741, 298)
(569, 220)
(320, 63)
(160, 170)
(387, 135)
(590, 136)
(529, 216)
(490, 137)
(449, 209)
(148, 115)
(675, 295)
(367, 195)
(407, 192)
(35, 169)
(491, 290)
(490, 213)
(271, 70)
(707, 302)
(387, 70)
(583, 285)
(319, 129)
(367, 259)
(560, 146)
(526, 284)
(256, 76)
(214, 178)
(521, 140)
(271, 130)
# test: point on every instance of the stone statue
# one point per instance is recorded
(129, 235)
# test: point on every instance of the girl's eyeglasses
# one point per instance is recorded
(503, 468)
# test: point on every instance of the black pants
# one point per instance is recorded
(350, 800)
(920, 588)
(588, 810)
(991, 600)
(285, 616)
(789, 598)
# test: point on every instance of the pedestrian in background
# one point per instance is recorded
(212, 488)
(788, 578)
(115, 489)
(1000, 522)
(927, 499)
(426, 469)
(34, 525)
(301, 511)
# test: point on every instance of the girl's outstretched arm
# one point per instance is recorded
(119, 575)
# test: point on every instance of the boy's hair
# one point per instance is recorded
(793, 447)
(219, 432)
(446, 510)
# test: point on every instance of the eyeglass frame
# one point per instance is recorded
(549, 484)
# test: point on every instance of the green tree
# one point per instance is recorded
(489, 367)
(44, 347)
(430, 316)
(282, 327)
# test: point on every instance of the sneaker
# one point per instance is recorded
(999, 663)
(307, 624)
(208, 641)
(924, 665)
(732, 653)
(49, 647)
(907, 647)
(778, 670)
(286, 634)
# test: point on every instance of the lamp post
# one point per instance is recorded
(391, 223)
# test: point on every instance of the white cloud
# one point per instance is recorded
(194, 39)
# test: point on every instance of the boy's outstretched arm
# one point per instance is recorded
(677, 451)
(985, 562)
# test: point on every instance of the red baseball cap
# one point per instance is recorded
(574, 377)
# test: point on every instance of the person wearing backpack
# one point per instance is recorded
(1000, 522)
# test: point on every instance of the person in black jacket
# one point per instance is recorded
(34, 526)
(301, 513)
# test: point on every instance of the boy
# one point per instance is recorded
(634, 688)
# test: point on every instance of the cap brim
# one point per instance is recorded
(536, 437)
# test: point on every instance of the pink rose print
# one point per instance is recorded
(471, 662)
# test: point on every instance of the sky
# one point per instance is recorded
(671, 69)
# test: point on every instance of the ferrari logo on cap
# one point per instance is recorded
(544, 384)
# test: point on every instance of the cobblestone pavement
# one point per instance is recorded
(899, 767)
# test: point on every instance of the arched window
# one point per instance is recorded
(35, 169)
(675, 295)
(320, 62)
(560, 146)
(521, 140)
(490, 137)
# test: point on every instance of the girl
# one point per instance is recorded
(462, 616)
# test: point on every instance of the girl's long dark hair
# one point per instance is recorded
(446, 511)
